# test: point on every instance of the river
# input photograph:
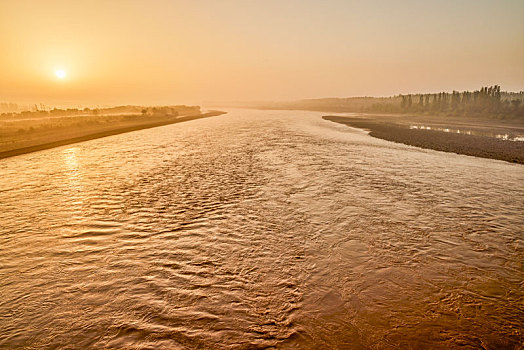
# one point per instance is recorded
(259, 229)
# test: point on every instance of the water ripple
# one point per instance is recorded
(256, 230)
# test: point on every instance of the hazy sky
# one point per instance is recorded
(168, 52)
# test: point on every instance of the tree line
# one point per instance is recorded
(8, 107)
(44, 111)
(488, 101)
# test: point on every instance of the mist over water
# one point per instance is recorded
(258, 229)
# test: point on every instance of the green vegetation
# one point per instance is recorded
(28, 128)
(488, 102)
(43, 111)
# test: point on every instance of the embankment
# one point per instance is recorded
(60, 138)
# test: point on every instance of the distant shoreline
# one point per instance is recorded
(473, 145)
(95, 135)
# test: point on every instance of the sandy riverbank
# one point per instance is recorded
(474, 138)
(54, 137)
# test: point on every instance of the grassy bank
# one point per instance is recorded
(20, 138)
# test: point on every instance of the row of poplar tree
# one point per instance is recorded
(487, 100)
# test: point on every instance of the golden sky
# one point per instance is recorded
(169, 52)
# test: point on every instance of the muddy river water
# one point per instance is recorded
(259, 229)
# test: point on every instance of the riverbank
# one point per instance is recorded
(486, 140)
(31, 142)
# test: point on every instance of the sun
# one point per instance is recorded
(60, 73)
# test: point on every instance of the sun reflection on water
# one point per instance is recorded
(73, 176)
(70, 159)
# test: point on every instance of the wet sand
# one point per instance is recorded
(56, 138)
(398, 130)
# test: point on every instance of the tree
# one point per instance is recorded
(455, 101)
